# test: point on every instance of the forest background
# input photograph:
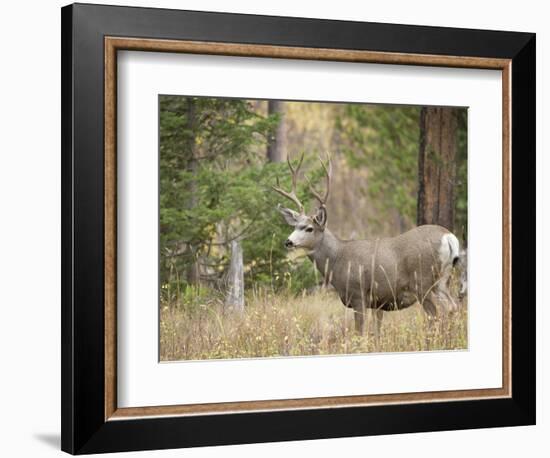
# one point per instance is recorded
(394, 167)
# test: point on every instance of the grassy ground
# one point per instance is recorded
(283, 325)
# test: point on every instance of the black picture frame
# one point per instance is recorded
(84, 428)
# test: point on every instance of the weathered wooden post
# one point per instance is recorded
(235, 278)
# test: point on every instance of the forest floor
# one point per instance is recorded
(276, 325)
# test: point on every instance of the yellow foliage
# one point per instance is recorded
(314, 324)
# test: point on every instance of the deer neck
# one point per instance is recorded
(326, 252)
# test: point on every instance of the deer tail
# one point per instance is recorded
(450, 249)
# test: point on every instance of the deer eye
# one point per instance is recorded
(309, 229)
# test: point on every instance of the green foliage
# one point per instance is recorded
(384, 139)
(215, 186)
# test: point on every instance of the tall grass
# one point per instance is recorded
(195, 325)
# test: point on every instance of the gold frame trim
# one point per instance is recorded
(112, 45)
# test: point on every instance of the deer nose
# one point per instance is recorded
(289, 243)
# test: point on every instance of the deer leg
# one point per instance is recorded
(378, 317)
(359, 321)
(444, 302)
(452, 305)
(441, 294)
(431, 315)
(429, 308)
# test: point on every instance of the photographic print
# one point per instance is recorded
(305, 228)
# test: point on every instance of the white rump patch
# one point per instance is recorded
(449, 249)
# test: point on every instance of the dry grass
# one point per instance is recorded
(282, 325)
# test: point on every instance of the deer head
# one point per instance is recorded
(308, 229)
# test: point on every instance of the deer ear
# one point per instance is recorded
(320, 217)
(290, 216)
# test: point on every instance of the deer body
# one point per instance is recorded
(382, 274)
(389, 274)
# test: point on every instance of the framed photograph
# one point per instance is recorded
(281, 228)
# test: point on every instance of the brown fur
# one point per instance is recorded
(387, 274)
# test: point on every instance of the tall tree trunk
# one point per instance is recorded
(235, 278)
(193, 269)
(437, 166)
(276, 146)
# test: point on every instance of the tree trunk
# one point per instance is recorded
(437, 166)
(193, 269)
(276, 146)
(235, 278)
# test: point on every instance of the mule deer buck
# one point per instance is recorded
(383, 274)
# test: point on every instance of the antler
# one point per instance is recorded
(292, 194)
(328, 173)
